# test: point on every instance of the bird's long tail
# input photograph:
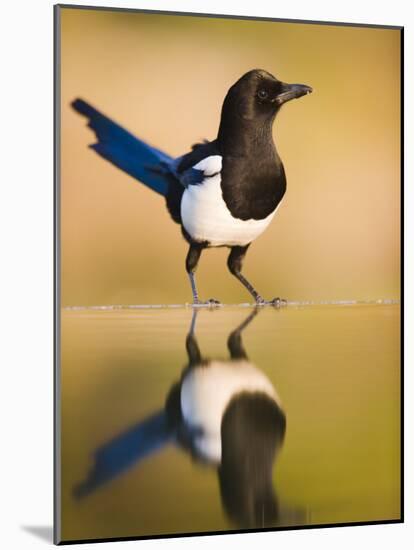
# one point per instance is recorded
(126, 450)
(137, 158)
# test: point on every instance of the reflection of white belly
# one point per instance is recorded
(206, 217)
(207, 391)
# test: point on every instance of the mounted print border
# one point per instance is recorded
(87, 459)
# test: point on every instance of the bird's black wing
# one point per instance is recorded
(183, 174)
(183, 167)
(160, 172)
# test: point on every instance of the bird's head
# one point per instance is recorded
(258, 95)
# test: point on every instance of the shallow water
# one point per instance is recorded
(316, 439)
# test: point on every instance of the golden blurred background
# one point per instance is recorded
(164, 77)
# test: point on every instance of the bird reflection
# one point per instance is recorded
(226, 414)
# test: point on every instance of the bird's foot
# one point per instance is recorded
(211, 302)
(276, 302)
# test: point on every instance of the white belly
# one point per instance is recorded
(205, 217)
(206, 393)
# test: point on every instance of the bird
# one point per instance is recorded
(227, 415)
(223, 192)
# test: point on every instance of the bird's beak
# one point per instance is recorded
(292, 91)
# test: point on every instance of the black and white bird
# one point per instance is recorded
(224, 192)
(227, 415)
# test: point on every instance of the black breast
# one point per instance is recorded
(252, 187)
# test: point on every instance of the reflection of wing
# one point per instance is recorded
(122, 452)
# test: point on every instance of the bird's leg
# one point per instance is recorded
(235, 263)
(235, 343)
(193, 351)
(191, 262)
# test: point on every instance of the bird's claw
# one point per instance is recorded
(211, 302)
(276, 302)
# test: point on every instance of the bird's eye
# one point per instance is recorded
(262, 94)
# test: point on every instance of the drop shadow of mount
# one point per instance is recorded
(44, 532)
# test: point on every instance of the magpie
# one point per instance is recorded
(224, 192)
(226, 414)
(229, 415)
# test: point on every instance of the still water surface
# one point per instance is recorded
(179, 422)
